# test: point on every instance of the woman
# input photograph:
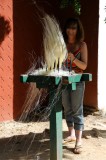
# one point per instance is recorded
(73, 100)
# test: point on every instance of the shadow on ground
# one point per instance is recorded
(25, 147)
(36, 146)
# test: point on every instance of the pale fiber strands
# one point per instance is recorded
(54, 51)
(32, 98)
(54, 45)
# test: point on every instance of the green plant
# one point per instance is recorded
(75, 4)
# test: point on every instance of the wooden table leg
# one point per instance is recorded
(55, 125)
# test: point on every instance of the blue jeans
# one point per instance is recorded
(73, 105)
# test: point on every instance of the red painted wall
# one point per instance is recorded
(15, 56)
(6, 63)
(90, 19)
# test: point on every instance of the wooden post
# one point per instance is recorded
(55, 100)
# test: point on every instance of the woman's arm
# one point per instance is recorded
(82, 64)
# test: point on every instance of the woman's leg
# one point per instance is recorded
(78, 144)
(68, 111)
(78, 134)
(77, 107)
(71, 131)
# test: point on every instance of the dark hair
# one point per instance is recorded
(80, 31)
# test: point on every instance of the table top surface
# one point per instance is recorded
(47, 79)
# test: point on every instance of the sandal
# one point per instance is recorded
(77, 149)
(69, 139)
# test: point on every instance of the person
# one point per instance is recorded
(72, 100)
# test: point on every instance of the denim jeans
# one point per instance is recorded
(72, 101)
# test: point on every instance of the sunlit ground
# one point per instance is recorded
(22, 141)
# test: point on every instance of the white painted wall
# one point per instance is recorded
(102, 57)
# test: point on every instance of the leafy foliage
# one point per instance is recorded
(75, 4)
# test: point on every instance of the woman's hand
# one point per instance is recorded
(71, 56)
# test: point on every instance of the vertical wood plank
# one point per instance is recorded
(55, 124)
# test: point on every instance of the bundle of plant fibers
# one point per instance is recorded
(55, 52)
(54, 46)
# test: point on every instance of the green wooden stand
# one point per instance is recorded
(55, 124)
(55, 102)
